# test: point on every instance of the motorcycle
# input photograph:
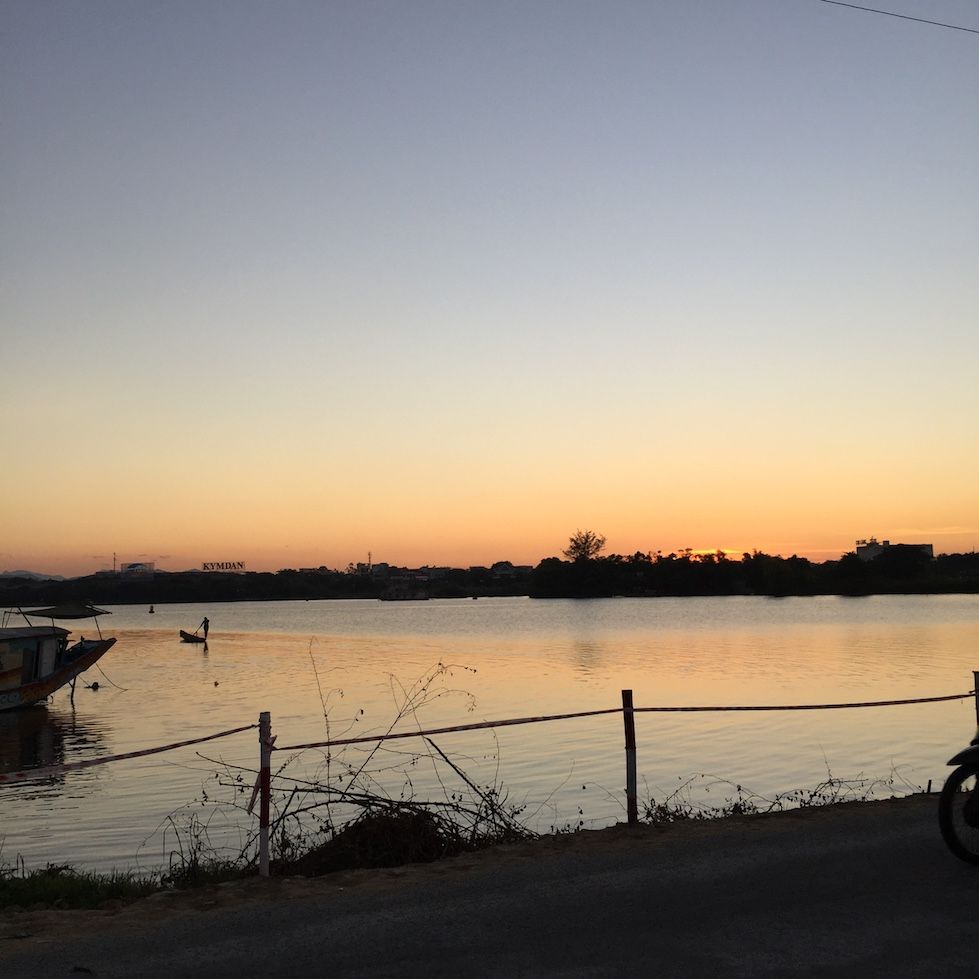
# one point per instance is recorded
(958, 805)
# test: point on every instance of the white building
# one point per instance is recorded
(868, 549)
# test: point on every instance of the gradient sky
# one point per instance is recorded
(293, 282)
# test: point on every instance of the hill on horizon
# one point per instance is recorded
(35, 575)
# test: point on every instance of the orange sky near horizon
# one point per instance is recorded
(172, 542)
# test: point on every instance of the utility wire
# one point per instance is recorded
(890, 13)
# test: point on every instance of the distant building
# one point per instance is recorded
(138, 568)
(868, 549)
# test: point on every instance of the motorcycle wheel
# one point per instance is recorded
(958, 813)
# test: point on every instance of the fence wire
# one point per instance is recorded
(510, 722)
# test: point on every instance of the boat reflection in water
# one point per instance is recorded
(37, 737)
(30, 738)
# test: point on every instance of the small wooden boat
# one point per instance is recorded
(36, 660)
(190, 637)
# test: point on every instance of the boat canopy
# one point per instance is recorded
(67, 611)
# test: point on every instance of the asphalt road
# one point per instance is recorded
(865, 889)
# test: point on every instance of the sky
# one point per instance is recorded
(441, 282)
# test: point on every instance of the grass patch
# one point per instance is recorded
(63, 887)
(686, 802)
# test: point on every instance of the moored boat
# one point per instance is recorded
(37, 660)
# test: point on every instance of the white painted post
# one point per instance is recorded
(629, 720)
(265, 790)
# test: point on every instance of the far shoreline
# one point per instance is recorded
(551, 580)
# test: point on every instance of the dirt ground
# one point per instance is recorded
(621, 840)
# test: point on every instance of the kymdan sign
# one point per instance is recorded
(223, 566)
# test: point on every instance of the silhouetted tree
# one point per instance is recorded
(584, 545)
(902, 561)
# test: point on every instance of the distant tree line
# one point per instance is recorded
(900, 569)
(287, 585)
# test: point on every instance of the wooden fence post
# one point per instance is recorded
(265, 790)
(629, 720)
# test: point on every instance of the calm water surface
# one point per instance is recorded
(350, 667)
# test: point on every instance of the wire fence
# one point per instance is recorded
(543, 718)
(268, 745)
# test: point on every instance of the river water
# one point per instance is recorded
(350, 668)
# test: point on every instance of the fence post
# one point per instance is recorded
(975, 689)
(629, 720)
(265, 790)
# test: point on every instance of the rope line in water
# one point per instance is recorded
(109, 679)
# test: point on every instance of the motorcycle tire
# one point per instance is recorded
(958, 813)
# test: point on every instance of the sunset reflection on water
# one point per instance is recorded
(503, 658)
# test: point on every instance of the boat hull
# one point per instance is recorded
(190, 637)
(89, 652)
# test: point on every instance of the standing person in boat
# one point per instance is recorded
(205, 625)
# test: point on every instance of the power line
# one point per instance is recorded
(890, 13)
